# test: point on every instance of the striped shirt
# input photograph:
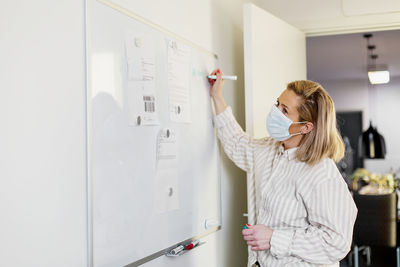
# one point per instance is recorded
(309, 207)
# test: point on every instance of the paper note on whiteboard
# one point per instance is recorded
(166, 178)
(140, 56)
(141, 100)
(167, 149)
(179, 82)
(167, 197)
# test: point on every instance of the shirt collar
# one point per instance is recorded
(288, 153)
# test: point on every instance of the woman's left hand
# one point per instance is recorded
(258, 237)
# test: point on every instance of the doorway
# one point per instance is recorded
(339, 64)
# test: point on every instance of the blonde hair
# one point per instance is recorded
(317, 107)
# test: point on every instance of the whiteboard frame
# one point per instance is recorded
(89, 134)
(166, 250)
(153, 25)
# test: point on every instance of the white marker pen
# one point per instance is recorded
(224, 77)
(177, 250)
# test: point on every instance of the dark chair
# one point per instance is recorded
(376, 224)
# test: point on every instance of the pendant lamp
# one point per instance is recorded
(371, 142)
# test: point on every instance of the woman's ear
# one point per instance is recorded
(307, 127)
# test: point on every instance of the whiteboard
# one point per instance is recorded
(137, 209)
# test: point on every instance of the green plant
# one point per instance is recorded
(382, 181)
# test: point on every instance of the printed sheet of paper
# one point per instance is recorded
(140, 53)
(166, 178)
(141, 99)
(179, 82)
(141, 93)
(167, 149)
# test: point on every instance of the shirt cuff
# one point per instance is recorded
(224, 118)
(281, 241)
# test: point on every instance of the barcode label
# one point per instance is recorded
(148, 98)
(149, 105)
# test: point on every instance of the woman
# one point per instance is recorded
(304, 213)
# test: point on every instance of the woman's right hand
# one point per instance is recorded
(216, 85)
(216, 91)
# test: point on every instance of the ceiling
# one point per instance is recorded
(344, 57)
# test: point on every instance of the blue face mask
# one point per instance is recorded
(278, 125)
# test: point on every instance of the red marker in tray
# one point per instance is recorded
(192, 245)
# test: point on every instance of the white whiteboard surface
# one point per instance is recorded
(126, 224)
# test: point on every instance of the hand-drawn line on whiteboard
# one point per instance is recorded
(156, 26)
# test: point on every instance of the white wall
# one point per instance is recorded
(42, 137)
(381, 104)
(266, 63)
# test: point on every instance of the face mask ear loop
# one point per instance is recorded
(296, 134)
